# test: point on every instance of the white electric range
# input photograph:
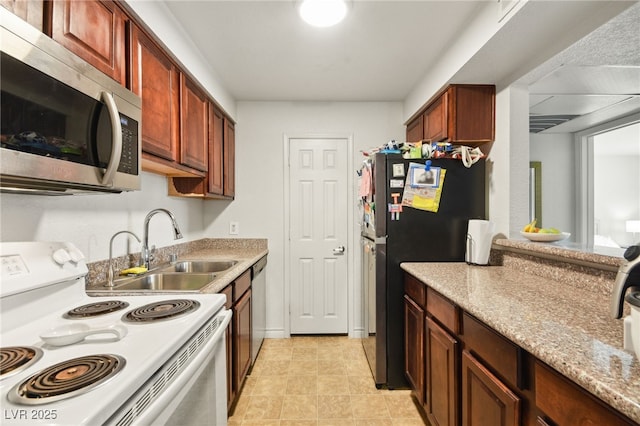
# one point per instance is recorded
(154, 349)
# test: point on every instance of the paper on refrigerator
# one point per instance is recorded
(420, 197)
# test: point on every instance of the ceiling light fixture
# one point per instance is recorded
(322, 13)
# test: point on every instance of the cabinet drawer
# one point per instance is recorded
(443, 310)
(415, 289)
(498, 353)
(566, 404)
(228, 292)
(242, 284)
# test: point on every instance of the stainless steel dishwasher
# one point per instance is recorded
(258, 306)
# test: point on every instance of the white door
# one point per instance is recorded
(318, 235)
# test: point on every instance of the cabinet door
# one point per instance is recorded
(95, 31)
(414, 347)
(473, 113)
(194, 125)
(486, 401)
(155, 79)
(415, 129)
(242, 339)
(216, 141)
(229, 158)
(435, 119)
(31, 11)
(442, 377)
(567, 404)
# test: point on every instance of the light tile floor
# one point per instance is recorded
(323, 380)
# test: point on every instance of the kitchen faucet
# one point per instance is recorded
(110, 271)
(147, 254)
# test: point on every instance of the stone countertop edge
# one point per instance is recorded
(605, 258)
(564, 327)
(246, 251)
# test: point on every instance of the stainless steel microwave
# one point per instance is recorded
(66, 127)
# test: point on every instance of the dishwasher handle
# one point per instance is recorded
(258, 266)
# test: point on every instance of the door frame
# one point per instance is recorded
(286, 140)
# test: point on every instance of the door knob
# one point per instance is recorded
(338, 250)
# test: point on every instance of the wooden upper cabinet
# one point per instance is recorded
(194, 122)
(436, 118)
(95, 31)
(471, 113)
(31, 11)
(415, 128)
(461, 114)
(229, 159)
(155, 79)
(215, 175)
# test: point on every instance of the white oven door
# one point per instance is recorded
(197, 394)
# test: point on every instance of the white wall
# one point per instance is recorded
(260, 180)
(508, 163)
(556, 152)
(89, 221)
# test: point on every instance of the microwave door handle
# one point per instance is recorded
(116, 143)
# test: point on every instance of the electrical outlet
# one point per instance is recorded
(234, 228)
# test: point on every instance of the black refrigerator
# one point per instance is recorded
(390, 237)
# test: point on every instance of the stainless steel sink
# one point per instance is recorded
(201, 266)
(169, 281)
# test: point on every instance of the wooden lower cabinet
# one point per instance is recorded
(239, 335)
(442, 376)
(486, 401)
(414, 347)
(242, 339)
(475, 376)
(563, 403)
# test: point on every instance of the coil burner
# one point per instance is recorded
(67, 379)
(159, 311)
(14, 359)
(95, 309)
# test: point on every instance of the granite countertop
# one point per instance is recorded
(246, 251)
(566, 327)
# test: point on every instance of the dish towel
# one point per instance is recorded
(365, 182)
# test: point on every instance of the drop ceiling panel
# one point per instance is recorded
(604, 80)
(575, 104)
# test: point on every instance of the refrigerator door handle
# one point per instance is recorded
(338, 250)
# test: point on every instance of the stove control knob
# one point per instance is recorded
(61, 256)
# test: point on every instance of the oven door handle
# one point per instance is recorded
(116, 142)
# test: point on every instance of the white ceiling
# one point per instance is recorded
(261, 50)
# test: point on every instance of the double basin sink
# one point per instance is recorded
(181, 276)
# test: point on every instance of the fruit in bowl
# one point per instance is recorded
(532, 228)
(533, 233)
